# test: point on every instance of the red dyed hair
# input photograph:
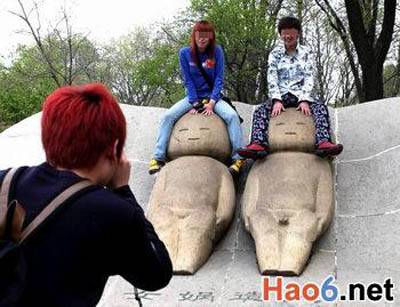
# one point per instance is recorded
(79, 124)
(202, 26)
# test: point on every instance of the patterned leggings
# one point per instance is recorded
(262, 114)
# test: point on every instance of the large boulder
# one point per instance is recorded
(288, 198)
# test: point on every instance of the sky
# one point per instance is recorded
(101, 20)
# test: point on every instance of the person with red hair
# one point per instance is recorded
(101, 231)
(203, 51)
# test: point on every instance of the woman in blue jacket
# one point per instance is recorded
(202, 49)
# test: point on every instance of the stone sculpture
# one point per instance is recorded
(193, 198)
(288, 199)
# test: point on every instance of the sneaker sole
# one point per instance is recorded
(155, 168)
(253, 154)
(333, 151)
(153, 171)
(233, 172)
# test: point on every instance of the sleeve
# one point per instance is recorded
(306, 92)
(273, 80)
(187, 77)
(143, 259)
(219, 74)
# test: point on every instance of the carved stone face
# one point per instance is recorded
(291, 130)
(199, 135)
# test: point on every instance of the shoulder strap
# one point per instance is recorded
(54, 204)
(203, 72)
(4, 201)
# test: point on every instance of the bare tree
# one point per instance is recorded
(68, 57)
(338, 24)
(392, 69)
(371, 47)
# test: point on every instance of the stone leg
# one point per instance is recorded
(196, 234)
(265, 232)
(302, 231)
(165, 222)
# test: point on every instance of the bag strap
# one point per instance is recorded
(54, 204)
(211, 86)
(19, 213)
(204, 74)
(4, 201)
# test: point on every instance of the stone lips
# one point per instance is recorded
(199, 135)
(292, 130)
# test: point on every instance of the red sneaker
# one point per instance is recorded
(326, 149)
(253, 151)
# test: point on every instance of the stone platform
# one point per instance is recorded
(362, 244)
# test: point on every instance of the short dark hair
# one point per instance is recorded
(289, 22)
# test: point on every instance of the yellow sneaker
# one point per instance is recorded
(237, 166)
(155, 166)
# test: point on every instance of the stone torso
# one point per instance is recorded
(296, 186)
(192, 182)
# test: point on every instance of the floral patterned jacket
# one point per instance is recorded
(290, 73)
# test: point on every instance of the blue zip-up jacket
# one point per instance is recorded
(196, 86)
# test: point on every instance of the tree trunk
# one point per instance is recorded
(371, 51)
(373, 81)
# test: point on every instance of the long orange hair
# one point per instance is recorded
(202, 26)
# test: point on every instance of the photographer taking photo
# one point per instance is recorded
(99, 232)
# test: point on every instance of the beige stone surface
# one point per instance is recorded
(288, 199)
(193, 198)
(199, 135)
(291, 131)
(191, 206)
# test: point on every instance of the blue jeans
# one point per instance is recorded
(222, 109)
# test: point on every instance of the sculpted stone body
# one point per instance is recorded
(193, 198)
(288, 199)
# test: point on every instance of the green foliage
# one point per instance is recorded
(143, 70)
(35, 73)
(20, 95)
(161, 72)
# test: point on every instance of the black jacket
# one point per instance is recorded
(98, 234)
